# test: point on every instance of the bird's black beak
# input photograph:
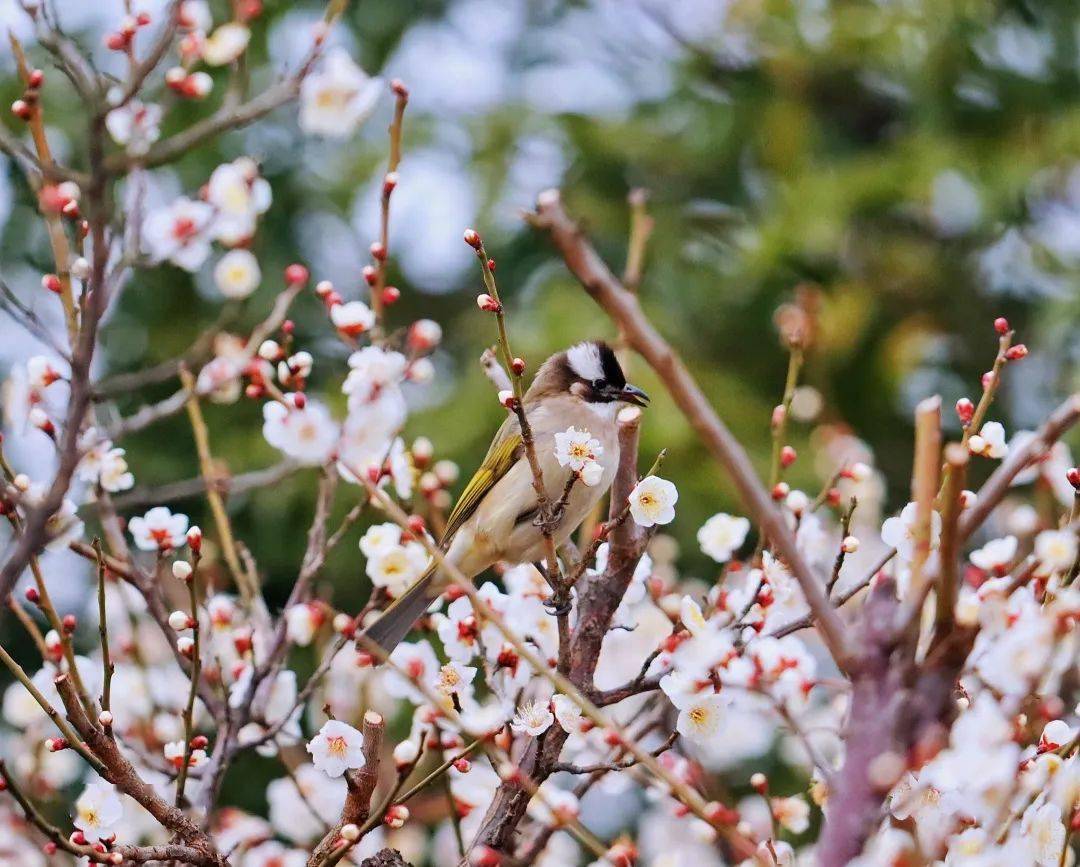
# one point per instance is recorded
(633, 394)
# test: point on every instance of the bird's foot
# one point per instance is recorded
(558, 607)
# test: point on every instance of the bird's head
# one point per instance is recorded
(589, 371)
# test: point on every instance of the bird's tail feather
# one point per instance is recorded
(388, 631)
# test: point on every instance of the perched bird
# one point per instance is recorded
(495, 517)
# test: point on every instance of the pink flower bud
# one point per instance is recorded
(507, 399)
(472, 239)
(1001, 325)
(399, 88)
(518, 366)
(487, 303)
(780, 490)
(1073, 475)
(22, 109)
(51, 282)
(1015, 353)
(296, 275)
(378, 251)
(787, 456)
(965, 411)
(390, 295)
(36, 79)
(389, 182)
(194, 540)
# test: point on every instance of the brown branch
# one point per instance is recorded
(121, 773)
(623, 307)
(993, 491)
(361, 786)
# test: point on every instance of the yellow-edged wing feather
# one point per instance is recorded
(504, 453)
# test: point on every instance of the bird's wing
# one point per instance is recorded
(505, 451)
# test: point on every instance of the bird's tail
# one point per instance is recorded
(395, 623)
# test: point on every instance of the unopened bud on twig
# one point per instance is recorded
(472, 239)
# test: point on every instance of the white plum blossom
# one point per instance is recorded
(722, 535)
(591, 474)
(302, 622)
(398, 567)
(302, 806)
(413, 663)
(352, 318)
(237, 274)
(652, 501)
(899, 531)
(380, 539)
(1056, 549)
(98, 811)
(274, 854)
(307, 435)
(226, 44)
(337, 747)
(159, 530)
(135, 126)
(373, 373)
(567, 713)
(337, 97)
(179, 233)
(990, 441)
(996, 555)
(576, 449)
(532, 718)
(238, 196)
(701, 718)
(792, 813)
(1043, 831)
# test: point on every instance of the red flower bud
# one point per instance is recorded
(1073, 475)
(296, 275)
(22, 109)
(491, 265)
(780, 490)
(721, 814)
(391, 295)
(485, 856)
(518, 366)
(472, 239)
(32, 595)
(199, 742)
(832, 496)
(787, 456)
(1015, 353)
(416, 525)
(51, 282)
(364, 660)
(371, 275)
(462, 766)
(399, 88)
(36, 79)
(1001, 325)
(965, 410)
(69, 623)
(378, 251)
(389, 182)
(288, 326)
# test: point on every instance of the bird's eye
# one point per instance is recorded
(598, 384)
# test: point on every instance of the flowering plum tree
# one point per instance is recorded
(908, 689)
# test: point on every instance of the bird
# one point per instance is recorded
(495, 518)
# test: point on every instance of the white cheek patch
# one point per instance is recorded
(584, 359)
